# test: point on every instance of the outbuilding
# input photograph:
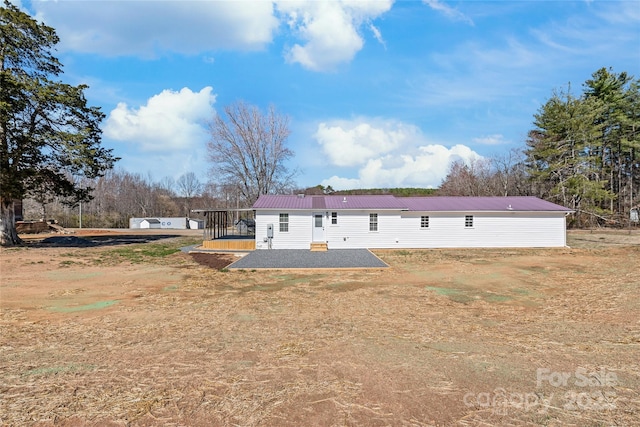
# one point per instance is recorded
(386, 222)
(150, 223)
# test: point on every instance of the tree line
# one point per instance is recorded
(583, 153)
(119, 195)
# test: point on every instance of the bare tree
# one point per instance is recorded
(168, 185)
(502, 175)
(189, 186)
(248, 150)
(510, 175)
(474, 178)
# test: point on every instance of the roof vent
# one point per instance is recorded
(344, 200)
(509, 208)
(301, 196)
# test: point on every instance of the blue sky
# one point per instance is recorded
(379, 93)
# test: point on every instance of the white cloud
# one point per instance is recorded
(495, 139)
(387, 153)
(354, 143)
(169, 122)
(378, 35)
(329, 30)
(448, 11)
(145, 27)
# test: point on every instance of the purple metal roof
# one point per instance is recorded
(453, 204)
(329, 202)
(283, 202)
(364, 202)
(388, 202)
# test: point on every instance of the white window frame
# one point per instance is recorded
(468, 221)
(424, 222)
(334, 218)
(284, 222)
(373, 222)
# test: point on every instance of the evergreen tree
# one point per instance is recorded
(584, 151)
(48, 133)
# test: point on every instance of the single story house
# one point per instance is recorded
(196, 224)
(150, 223)
(246, 226)
(386, 221)
(179, 223)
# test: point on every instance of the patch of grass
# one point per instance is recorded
(292, 279)
(137, 254)
(461, 298)
(346, 286)
(272, 287)
(465, 296)
(94, 306)
(69, 254)
(67, 263)
(443, 291)
(497, 298)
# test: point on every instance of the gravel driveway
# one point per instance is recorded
(304, 258)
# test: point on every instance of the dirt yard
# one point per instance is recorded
(121, 329)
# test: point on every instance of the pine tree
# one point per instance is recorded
(48, 133)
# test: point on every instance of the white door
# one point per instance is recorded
(318, 227)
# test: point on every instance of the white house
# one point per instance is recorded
(150, 223)
(179, 223)
(196, 224)
(385, 221)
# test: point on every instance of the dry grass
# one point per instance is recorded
(443, 337)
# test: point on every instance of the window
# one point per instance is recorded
(284, 222)
(468, 221)
(424, 221)
(334, 218)
(373, 222)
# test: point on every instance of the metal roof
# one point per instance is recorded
(453, 204)
(299, 202)
(389, 202)
(152, 220)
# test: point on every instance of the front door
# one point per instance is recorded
(318, 227)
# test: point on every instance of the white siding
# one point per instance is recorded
(402, 230)
(509, 229)
(352, 230)
(299, 234)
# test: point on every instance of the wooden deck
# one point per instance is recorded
(230, 244)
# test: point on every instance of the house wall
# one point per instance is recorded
(490, 229)
(298, 237)
(196, 224)
(352, 230)
(402, 230)
(147, 224)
